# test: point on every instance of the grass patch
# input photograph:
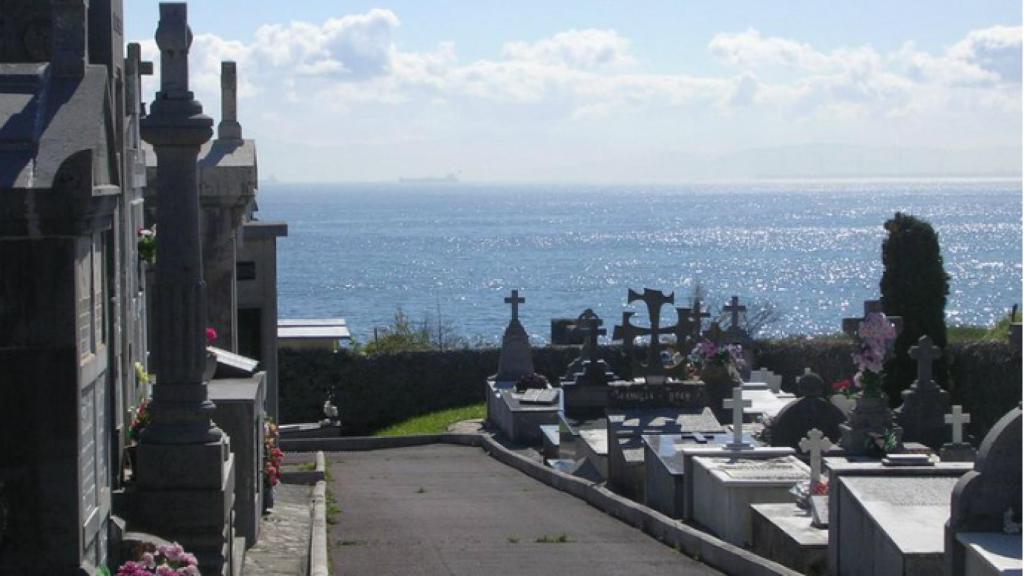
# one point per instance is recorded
(420, 490)
(306, 467)
(352, 542)
(435, 422)
(562, 538)
(513, 539)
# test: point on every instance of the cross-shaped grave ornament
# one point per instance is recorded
(851, 326)
(737, 404)
(957, 419)
(515, 300)
(925, 353)
(733, 308)
(627, 332)
(588, 324)
(815, 442)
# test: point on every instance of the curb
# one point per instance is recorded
(361, 443)
(695, 543)
(318, 528)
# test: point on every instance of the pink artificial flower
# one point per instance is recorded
(148, 561)
(165, 570)
(211, 336)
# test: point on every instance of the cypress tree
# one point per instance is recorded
(914, 285)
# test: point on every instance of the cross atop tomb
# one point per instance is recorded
(589, 325)
(515, 300)
(816, 442)
(174, 37)
(654, 300)
(851, 326)
(925, 353)
(737, 404)
(734, 308)
(957, 420)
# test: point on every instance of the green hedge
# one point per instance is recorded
(373, 392)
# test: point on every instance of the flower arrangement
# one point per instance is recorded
(804, 490)
(273, 456)
(877, 334)
(531, 380)
(708, 353)
(141, 376)
(140, 421)
(211, 336)
(147, 244)
(164, 560)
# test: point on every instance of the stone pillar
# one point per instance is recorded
(185, 472)
(229, 128)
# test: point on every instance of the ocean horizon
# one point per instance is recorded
(809, 248)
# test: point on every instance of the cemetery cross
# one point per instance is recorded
(589, 325)
(815, 443)
(737, 404)
(515, 300)
(957, 420)
(734, 308)
(925, 353)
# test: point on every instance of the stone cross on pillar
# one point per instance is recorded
(737, 404)
(515, 300)
(925, 353)
(815, 443)
(229, 128)
(957, 420)
(734, 308)
(654, 300)
(176, 127)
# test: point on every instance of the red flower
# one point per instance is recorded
(841, 386)
(211, 336)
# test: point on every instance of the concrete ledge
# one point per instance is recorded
(318, 528)
(359, 443)
(307, 477)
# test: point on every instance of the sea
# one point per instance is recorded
(451, 252)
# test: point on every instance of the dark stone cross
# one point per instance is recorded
(734, 308)
(515, 300)
(851, 326)
(589, 325)
(654, 299)
(925, 353)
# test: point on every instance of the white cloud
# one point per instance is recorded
(589, 48)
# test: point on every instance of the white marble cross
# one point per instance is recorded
(957, 419)
(815, 442)
(737, 404)
(515, 300)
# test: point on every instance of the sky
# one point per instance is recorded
(612, 92)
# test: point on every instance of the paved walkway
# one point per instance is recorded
(453, 510)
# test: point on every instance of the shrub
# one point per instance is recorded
(914, 286)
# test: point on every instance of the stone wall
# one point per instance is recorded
(376, 391)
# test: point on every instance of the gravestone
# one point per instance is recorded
(924, 404)
(585, 386)
(986, 502)
(515, 359)
(957, 450)
(810, 411)
(773, 380)
(724, 489)
(60, 348)
(184, 460)
(737, 404)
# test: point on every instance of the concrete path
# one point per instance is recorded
(452, 510)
